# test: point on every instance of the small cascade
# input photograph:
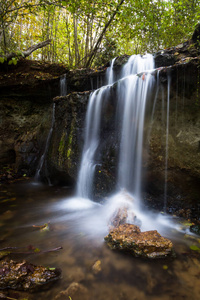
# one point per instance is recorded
(91, 137)
(63, 85)
(41, 162)
(110, 72)
(137, 64)
(63, 92)
(167, 144)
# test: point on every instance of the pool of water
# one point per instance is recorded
(79, 227)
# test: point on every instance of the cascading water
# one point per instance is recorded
(63, 92)
(63, 85)
(133, 106)
(167, 138)
(93, 122)
(110, 72)
(132, 95)
(41, 162)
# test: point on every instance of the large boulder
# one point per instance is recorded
(149, 244)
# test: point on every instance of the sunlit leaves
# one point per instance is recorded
(139, 26)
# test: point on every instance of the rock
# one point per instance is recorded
(75, 274)
(124, 213)
(129, 238)
(195, 229)
(96, 268)
(75, 291)
(25, 276)
(119, 217)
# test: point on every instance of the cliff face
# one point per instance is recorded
(26, 118)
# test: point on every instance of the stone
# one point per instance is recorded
(124, 213)
(148, 244)
(24, 276)
(75, 291)
(96, 268)
(195, 229)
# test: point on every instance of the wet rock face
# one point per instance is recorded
(23, 131)
(149, 244)
(25, 276)
(64, 154)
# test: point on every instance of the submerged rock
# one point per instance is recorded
(129, 238)
(25, 276)
(96, 268)
(74, 291)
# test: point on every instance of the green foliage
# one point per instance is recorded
(74, 27)
(2, 60)
(13, 61)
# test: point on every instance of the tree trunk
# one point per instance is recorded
(76, 41)
(94, 51)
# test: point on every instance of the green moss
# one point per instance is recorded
(61, 149)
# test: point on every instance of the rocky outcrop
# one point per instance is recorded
(149, 244)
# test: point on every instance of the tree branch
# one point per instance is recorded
(28, 51)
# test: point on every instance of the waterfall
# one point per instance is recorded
(63, 85)
(133, 94)
(110, 72)
(63, 92)
(41, 162)
(133, 89)
(166, 146)
(93, 122)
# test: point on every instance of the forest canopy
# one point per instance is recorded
(89, 32)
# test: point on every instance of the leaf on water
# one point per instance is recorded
(194, 248)
(165, 267)
(45, 227)
(36, 250)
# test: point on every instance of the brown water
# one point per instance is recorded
(122, 277)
